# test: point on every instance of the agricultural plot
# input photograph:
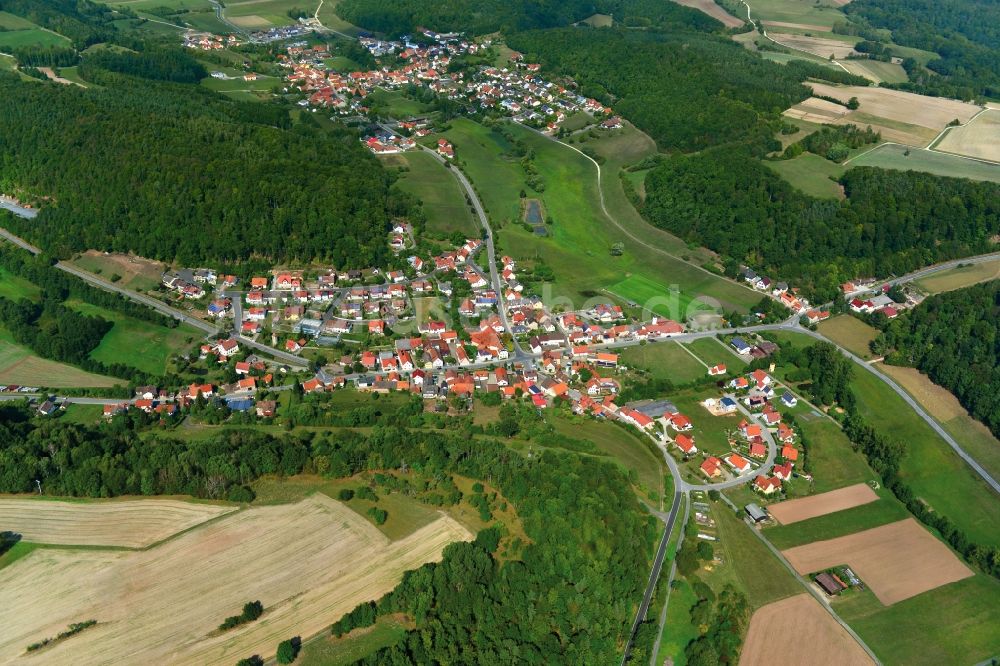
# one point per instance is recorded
(712, 353)
(818, 639)
(125, 524)
(444, 199)
(134, 272)
(787, 13)
(805, 508)
(883, 511)
(18, 365)
(962, 276)
(328, 650)
(816, 110)
(664, 360)
(714, 10)
(823, 47)
(876, 71)
(897, 561)
(33, 37)
(308, 563)
(902, 158)
(850, 333)
(658, 299)
(979, 138)
(264, 14)
(812, 174)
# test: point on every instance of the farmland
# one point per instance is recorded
(308, 563)
(902, 158)
(814, 506)
(979, 138)
(133, 272)
(876, 70)
(444, 200)
(819, 640)
(834, 462)
(714, 10)
(962, 276)
(18, 365)
(122, 523)
(664, 360)
(850, 333)
(897, 561)
(882, 511)
(813, 174)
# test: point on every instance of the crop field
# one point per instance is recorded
(813, 506)
(876, 71)
(934, 472)
(715, 11)
(940, 403)
(818, 639)
(308, 563)
(263, 14)
(902, 158)
(32, 37)
(812, 174)
(897, 561)
(823, 47)
(803, 13)
(884, 510)
(980, 138)
(664, 360)
(953, 624)
(136, 343)
(126, 523)
(816, 110)
(18, 365)
(443, 197)
(850, 333)
(962, 276)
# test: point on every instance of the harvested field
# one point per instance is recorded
(818, 639)
(963, 276)
(897, 561)
(980, 138)
(894, 156)
(715, 11)
(795, 26)
(129, 524)
(820, 46)
(876, 71)
(251, 21)
(804, 508)
(308, 563)
(851, 333)
(18, 365)
(815, 110)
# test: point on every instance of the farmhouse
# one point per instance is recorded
(830, 584)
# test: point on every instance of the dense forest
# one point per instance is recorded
(159, 64)
(479, 17)
(891, 222)
(82, 21)
(179, 173)
(954, 338)
(567, 598)
(687, 90)
(965, 33)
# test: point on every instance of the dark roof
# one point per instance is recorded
(829, 584)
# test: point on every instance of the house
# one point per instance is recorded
(376, 327)
(228, 348)
(749, 430)
(785, 434)
(680, 423)
(830, 584)
(789, 453)
(761, 378)
(740, 345)
(47, 408)
(758, 450)
(737, 462)
(788, 399)
(710, 467)
(717, 370)
(766, 486)
(445, 149)
(266, 408)
(685, 444)
(783, 472)
(727, 405)
(292, 346)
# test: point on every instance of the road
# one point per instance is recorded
(654, 575)
(669, 583)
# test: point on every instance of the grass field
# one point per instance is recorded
(263, 14)
(970, 434)
(326, 650)
(834, 461)
(308, 563)
(678, 630)
(10, 22)
(810, 173)
(712, 353)
(957, 278)
(140, 344)
(135, 272)
(892, 156)
(395, 103)
(15, 287)
(18, 365)
(979, 138)
(876, 70)
(444, 200)
(874, 514)
(934, 472)
(658, 299)
(797, 12)
(850, 333)
(33, 37)
(664, 360)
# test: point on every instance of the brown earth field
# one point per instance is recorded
(817, 110)
(127, 523)
(897, 561)
(820, 46)
(979, 139)
(715, 11)
(804, 508)
(308, 563)
(807, 633)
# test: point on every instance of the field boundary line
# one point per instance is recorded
(693, 355)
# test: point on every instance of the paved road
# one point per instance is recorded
(653, 575)
(669, 583)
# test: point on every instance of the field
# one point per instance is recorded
(263, 14)
(18, 365)
(850, 333)
(834, 462)
(715, 11)
(893, 156)
(139, 344)
(658, 299)
(135, 272)
(818, 639)
(875, 70)
(712, 353)
(805, 508)
(963, 276)
(127, 523)
(940, 403)
(980, 138)
(664, 360)
(802, 13)
(327, 650)
(823, 47)
(816, 110)
(812, 174)
(32, 37)
(308, 563)
(443, 197)
(897, 561)
(884, 510)
(15, 287)
(395, 103)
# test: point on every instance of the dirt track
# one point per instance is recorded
(800, 633)
(804, 508)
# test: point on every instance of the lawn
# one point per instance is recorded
(850, 333)
(15, 287)
(444, 199)
(934, 472)
(904, 158)
(657, 299)
(395, 103)
(139, 344)
(84, 414)
(325, 650)
(833, 461)
(952, 624)
(664, 360)
(709, 432)
(874, 514)
(18, 365)
(811, 174)
(957, 278)
(712, 353)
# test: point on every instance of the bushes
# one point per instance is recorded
(364, 615)
(289, 650)
(251, 611)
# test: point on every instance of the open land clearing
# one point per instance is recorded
(818, 639)
(18, 365)
(850, 333)
(816, 110)
(813, 174)
(308, 563)
(903, 158)
(961, 276)
(714, 10)
(135, 272)
(897, 561)
(821, 46)
(805, 508)
(444, 200)
(980, 138)
(126, 524)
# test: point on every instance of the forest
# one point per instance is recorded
(964, 33)
(954, 338)
(891, 222)
(82, 21)
(577, 577)
(179, 173)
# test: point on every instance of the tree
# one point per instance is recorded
(288, 650)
